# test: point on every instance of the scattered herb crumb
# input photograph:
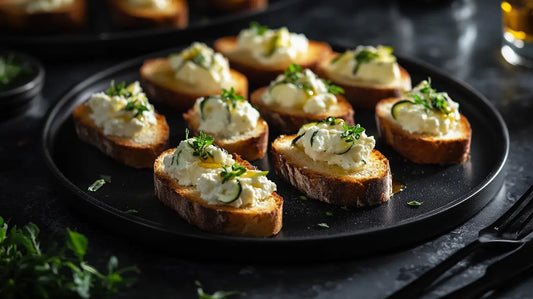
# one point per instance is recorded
(302, 197)
(131, 211)
(99, 182)
(215, 295)
(345, 208)
(329, 214)
(414, 203)
(323, 225)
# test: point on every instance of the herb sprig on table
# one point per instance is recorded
(29, 271)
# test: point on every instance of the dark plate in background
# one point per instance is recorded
(450, 194)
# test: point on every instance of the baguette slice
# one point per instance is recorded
(140, 154)
(67, 18)
(251, 146)
(453, 147)
(330, 183)
(256, 221)
(237, 5)
(161, 86)
(175, 15)
(288, 121)
(261, 75)
(360, 94)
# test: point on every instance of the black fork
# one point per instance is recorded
(508, 232)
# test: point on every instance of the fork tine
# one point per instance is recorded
(502, 223)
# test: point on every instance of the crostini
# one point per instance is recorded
(335, 163)
(262, 54)
(216, 191)
(150, 13)
(42, 15)
(367, 74)
(425, 126)
(177, 81)
(298, 97)
(235, 124)
(123, 124)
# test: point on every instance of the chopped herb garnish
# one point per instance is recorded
(345, 208)
(12, 72)
(231, 172)
(131, 211)
(199, 144)
(331, 120)
(259, 29)
(429, 98)
(215, 295)
(230, 97)
(136, 105)
(199, 59)
(329, 214)
(28, 270)
(96, 185)
(323, 225)
(118, 90)
(414, 203)
(332, 88)
(302, 197)
(364, 56)
(351, 134)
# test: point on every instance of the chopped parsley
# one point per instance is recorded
(414, 203)
(257, 28)
(323, 225)
(294, 75)
(429, 98)
(231, 172)
(12, 72)
(136, 105)
(199, 59)
(215, 295)
(118, 90)
(351, 134)
(199, 144)
(230, 97)
(364, 56)
(332, 88)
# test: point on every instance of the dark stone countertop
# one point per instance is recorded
(462, 38)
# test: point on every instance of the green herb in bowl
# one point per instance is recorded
(13, 72)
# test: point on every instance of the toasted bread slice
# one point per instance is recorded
(70, 17)
(161, 86)
(139, 153)
(288, 121)
(175, 15)
(255, 221)
(453, 147)
(251, 146)
(237, 5)
(261, 75)
(333, 184)
(362, 94)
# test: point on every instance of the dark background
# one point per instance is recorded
(462, 38)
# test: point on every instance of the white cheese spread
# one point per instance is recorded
(201, 69)
(154, 4)
(245, 188)
(226, 115)
(422, 115)
(301, 90)
(33, 6)
(122, 111)
(271, 47)
(366, 64)
(329, 141)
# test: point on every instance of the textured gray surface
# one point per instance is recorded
(462, 40)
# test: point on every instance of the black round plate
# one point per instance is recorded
(450, 194)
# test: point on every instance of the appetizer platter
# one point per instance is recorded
(413, 201)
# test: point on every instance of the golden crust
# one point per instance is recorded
(121, 149)
(260, 75)
(328, 184)
(176, 15)
(160, 85)
(422, 148)
(289, 121)
(261, 221)
(365, 96)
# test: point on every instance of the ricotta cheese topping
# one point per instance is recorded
(33, 6)
(335, 143)
(426, 111)
(201, 68)
(301, 90)
(366, 64)
(271, 47)
(214, 173)
(122, 111)
(226, 115)
(156, 4)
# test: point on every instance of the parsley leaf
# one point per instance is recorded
(332, 88)
(257, 28)
(230, 97)
(118, 90)
(351, 134)
(199, 145)
(230, 173)
(136, 105)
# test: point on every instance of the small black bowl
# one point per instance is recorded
(18, 98)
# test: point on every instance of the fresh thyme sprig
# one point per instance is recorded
(136, 105)
(199, 144)
(231, 172)
(351, 134)
(257, 28)
(430, 98)
(230, 97)
(332, 88)
(118, 90)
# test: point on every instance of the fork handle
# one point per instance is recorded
(415, 288)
